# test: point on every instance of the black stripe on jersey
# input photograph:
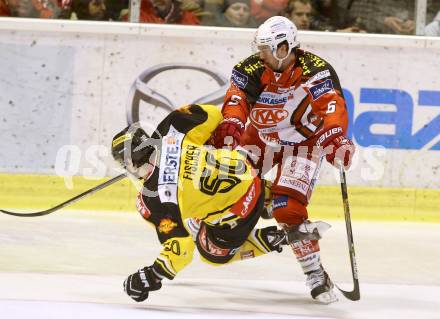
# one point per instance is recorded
(182, 121)
(216, 212)
(319, 125)
(298, 114)
(160, 267)
(229, 218)
(304, 131)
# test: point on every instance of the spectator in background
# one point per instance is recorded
(166, 11)
(66, 9)
(116, 9)
(4, 9)
(48, 9)
(261, 10)
(330, 16)
(206, 11)
(300, 13)
(391, 16)
(433, 7)
(195, 6)
(89, 10)
(400, 18)
(433, 29)
(215, 7)
(236, 13)
(45, 9)
(22, 8)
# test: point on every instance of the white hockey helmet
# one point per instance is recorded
(274, 31)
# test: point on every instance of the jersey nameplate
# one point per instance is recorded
(169, 166)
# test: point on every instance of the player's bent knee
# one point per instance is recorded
(288, 210)
(211, 251)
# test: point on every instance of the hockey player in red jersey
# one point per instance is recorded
(196, 197)
(297, 113)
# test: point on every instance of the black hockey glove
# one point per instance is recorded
(276, 238)
(141, 282)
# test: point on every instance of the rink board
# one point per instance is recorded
(44, 191)
(69, 86)
(66, 90)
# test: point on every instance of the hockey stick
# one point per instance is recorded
(355, 293)
(68, 202)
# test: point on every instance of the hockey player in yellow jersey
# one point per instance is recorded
(194, 196)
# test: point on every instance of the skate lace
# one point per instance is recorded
(315, 279)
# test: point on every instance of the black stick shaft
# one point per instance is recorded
(67, 202)
(355, 294)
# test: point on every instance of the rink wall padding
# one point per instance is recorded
(44, 191)
(76, 83)
(36, 192)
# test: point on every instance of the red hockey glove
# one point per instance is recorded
(228, 133)
(338, 148)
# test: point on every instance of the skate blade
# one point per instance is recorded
(326, 298)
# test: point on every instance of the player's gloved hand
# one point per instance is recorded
(338, 148)
(228, 133)
(275, 237)
(139, 284)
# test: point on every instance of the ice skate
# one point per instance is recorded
(321, 286)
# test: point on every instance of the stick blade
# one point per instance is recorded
(35, 214)
(353, 295)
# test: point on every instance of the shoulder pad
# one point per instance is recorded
(250, 65)
(312, 64)
(247, 69)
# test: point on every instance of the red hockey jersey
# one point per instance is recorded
(289, 107)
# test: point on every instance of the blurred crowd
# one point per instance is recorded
(372, 16)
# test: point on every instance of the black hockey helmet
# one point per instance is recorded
(133, 145)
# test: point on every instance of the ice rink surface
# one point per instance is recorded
(71, 265)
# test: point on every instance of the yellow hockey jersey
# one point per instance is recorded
(193, 180)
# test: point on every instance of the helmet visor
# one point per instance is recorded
(258, 48)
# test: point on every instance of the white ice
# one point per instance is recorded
(71, 265)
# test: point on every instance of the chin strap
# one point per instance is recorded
(280, 61)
